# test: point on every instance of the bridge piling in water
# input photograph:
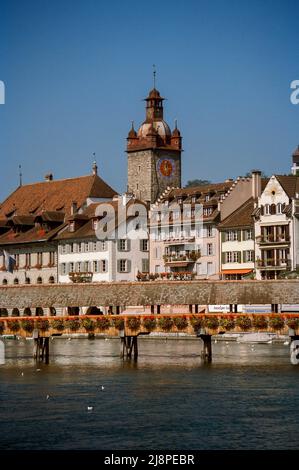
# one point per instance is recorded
(129, 346)
(41, 349)
(206, 353)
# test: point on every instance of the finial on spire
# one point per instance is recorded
(94, 165)
(20, 175)
(175, 123)
(154, 75)
(132, 122)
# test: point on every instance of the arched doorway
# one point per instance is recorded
(39, 312)
(3, 312)
(27, 280)
(4, 282)
(15, 312)
(52, 311)
(27, 312)
(51, 280)
(16, 281)
(39, 280)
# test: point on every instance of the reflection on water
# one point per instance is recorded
(246, 399)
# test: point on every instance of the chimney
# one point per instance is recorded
(49, 177)
(256, 184)
(94, 168)
(74, 208)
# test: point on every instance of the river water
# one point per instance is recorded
(248, 398)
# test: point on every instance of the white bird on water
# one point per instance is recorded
(102, 388)
(286, 343)
(89, 408)
(47, 397)
(38, 370)
(22, 373)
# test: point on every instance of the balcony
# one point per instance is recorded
(179, 259)
(179, 241)
(272, 263)
(80, 277)
(272, 240)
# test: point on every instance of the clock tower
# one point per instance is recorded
(154, 153)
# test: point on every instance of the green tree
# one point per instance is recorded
(193, 183)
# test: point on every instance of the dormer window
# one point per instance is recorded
(95, 224)
(193, 199)
(180, 200)
(207, 197)
(72, 226)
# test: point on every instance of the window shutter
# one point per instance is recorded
(223, 257)
(262, 210)
(239, 256)
(244, 259)
(128, 245)
(141, 245)
(128, 266)
(223, 236)
(239, 235)
(118, 245)
(145, 265)
(118, 265)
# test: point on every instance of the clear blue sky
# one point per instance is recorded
(76, 73)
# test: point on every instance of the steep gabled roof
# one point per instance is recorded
(241, 217)
(289, 183)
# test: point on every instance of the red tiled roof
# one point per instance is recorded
(55, 195)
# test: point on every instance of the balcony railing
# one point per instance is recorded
(268, 239)
(273, 263)
(80, 277)
(179, 240)
(189, 257)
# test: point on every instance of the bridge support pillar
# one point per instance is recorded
(41, 349)
(129, 347)
(206, 353)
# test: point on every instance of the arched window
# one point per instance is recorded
(27, 280)
(27, 312)
(4, 282)
(39, 312)
(51, 280)
(3, 312)
(15, 312)
(39, 280)
(52, 311)
(16, 281)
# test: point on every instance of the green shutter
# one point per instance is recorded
(223, 236)
(239, 235)
(223, 257)
(244, 260)
(129, 266)
(239, 256)
(118, 265)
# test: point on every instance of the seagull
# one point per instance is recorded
(47, 397)
(103, 388)
(22, 373)
(38, 370)
(89, 408)
(69, 339)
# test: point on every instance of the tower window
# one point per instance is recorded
(137, 186)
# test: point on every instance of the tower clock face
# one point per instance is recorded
(166, 167)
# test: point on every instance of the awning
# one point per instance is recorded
(236, 271)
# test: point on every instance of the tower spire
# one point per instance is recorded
(94, 165)
(154, 75)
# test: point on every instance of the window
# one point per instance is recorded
(86, 266)
(95, 266)
(28, 260)
(72, 226)
(16, 281)
(94, 224)
(207, 197)
(209, 231)
(228, 257)
(51, 280)
(63, 268)
(63, 248)
(209, 249)
(207, 210)
(86, 246)
(71, 246)
(104, 266)
(52, 258)
(143, 245)
(94, 246)
(78, 267)
(267, 209)
(39, 280)
(232, 235)
(27, 280)
(79, 247)
(40, 258)
(235, 257)
(122, 265)
(248, 234)
(4, 282)
(280, 208)
(157, 252)
(71, 267)
(145, 265)
(248, 256)
(123, 245)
